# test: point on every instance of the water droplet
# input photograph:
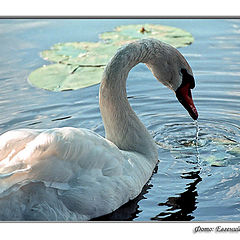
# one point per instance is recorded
(197, 131)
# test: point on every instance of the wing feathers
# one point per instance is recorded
(80, 174)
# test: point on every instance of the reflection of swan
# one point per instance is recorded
(75, 174)
(183, 205)
(129, 210)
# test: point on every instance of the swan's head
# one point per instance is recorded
(170, 68)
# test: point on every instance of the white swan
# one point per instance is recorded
(75, 174)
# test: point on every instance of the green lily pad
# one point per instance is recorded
(90, 57)
(60, 77)
(127, 33)
(62, 51)
(99, 53)
(80, 53)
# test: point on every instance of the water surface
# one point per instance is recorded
(196, 178)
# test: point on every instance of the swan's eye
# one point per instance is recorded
(187, 78)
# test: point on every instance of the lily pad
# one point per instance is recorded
(60, 77)
(89, 58)
(81, 53)
(127, 33)
(99, 53)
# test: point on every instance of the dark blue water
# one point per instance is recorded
(196, 179)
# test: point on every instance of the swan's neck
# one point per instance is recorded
(122, 125)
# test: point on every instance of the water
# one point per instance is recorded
(197, 177)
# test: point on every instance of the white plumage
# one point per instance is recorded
(75, 174)
(89, 174)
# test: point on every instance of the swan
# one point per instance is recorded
(71, 174)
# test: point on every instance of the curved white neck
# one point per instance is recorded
(122, 125)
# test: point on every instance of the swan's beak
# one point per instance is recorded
(184, 96)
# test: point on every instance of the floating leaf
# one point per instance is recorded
(127, 33)
(60, 77)
(89, 57)
(62, 51)
(81, 53)
(99, 53)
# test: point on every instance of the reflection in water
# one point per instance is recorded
(185, 203)
(190, 146)
(180, 208)
(130, 210)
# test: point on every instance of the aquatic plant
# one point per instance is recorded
(81, 64)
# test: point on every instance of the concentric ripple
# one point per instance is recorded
(208, 142)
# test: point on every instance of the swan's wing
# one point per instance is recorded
(78, 171)
(55, 155)
(14, 141)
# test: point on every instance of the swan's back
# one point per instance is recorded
(65, 174)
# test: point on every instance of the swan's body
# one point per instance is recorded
(75, 174)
